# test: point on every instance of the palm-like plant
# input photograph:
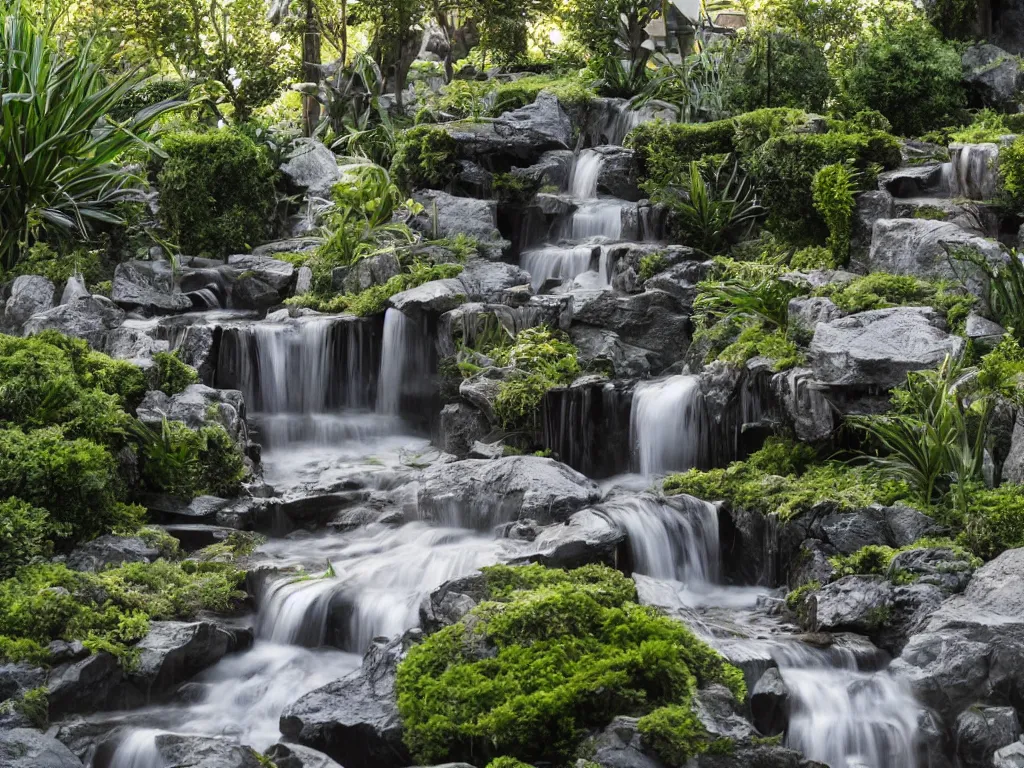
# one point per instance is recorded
(58, 146)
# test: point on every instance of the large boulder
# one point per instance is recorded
(972, 648)
(447, 216)
(89, 317)
(619, 173)
(807, 409)
(878, 348)
(30, 294)
(770, 702)
(480, 493)
(149, 286)
(130, 343)
(183, 751)
(355, 720)
(980, 731)
(110, 550)
(173, 651)
(374, 270)
(543, 123)
(311, 167)
(871, 206)
(297, 756)
(993, 77)
(461, 426)
(447, 604)
(588, 536)
(261, 282)
(854, 603)
(479, 280)
(29, 748)
(87, 685)
(915, 247)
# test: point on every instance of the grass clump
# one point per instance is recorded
(549, 655)
(374, 299)
(876, 559)
(880, 290)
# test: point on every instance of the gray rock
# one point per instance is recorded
(19, 677)
(149, 286)
(983, 331)
(250, 291)
(972, 648)
(289, 245)
(84, 686)
(182, 751)
(481, 450)
(913, 181)
(1010, 756)
(652, 320)
(938, 566)
(74, 288)
(445, 215)
(871, 206)
(128, 343)
(854, 603)
(809, 311)
(542, 123)
(110, 550)
(481, 391)
(173, 651)
(981, 730)
(588, 536)
(433, 298)
(447, 604)
(59, 652)
(89, 318)
(461, 426)
(195, 346)
(197, 406)
(29, 748)
(297, 756)
(603, 349)
(480, 280)
(480, 494)
(303, 280)
(374, 270)
(279, 275)
(311, 167)
(200, 508)
(849, 531)
(975, 170)
(1013, 466)
(769, 703)
(805, 405)
(30, 294)
(553, 168)
(355, 720)
(993, 77)
(879, 347)
(620, 745)
(915, 247)
(619, 173)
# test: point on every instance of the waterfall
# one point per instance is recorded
(585, 174)
(565, 262)
(393, 360)
(674, 539)
(667, 425)
(138, 750)
(597, 218)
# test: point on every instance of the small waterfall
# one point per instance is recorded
(674, 539)
(396, 357)
(597, 218)
(138, 750)
(585, 174)
(975, 170)
(564, 262)
(667, 425)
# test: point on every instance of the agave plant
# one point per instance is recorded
(59, 147)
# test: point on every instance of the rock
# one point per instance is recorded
(172, 509)
(182, 751)
(588, 536)
(18, 677)
(983, 331)
(29, 748)
(446, 216)
(619, 173)
(195, 536)
(769, 703)
(980, 731)
(110, 550)
(250, 291)
(197, 406)
(849, 531)
(84, 686)
(128, 343)
(196, 348)
(938, 566)
(481, 391)
(603, 349)
(854, 603)
(59, 652)
(311, 167)
(355, 720)
(480, 280)
(975, 170)
(149, 286)
(279, 275)
(173, 651)
(543, 124)
(447, 604)
(303, 280)
(74, 288)
(289, 245)
(808, 312)
(297, 756)
(374, 270)
(806, 406)
(480, 494)
(972, 648)
(89, 318)
(620, 745)
(871, 206)
(993, 77)
(480, 450)
(915, 247)
(552, 169)
(914, 181)
(433, 298)
(30, 294)
(880, 347)
(1011, 756)
(1013, 466)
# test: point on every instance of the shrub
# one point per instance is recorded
(58, 266)
(174, 375)
(651, 264)
(541, 359)
(425, 158)
(110, 610)
(547, 656)
(775, 69)
(785, 166)
(374, 299)
(187, 463)
(880, 290)
(909, 74)
(1011, 170)
(833, 189)
(676, 734)
(24, 535)
(755, 341)
(571, 91)
(753, 129)
(875, 559)
(667, 149)
(994, 521)
(216, 192)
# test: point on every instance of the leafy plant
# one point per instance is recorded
(425, 158)
(59, 150)
(833, 189)
(774, 68)
(1003, 287)
(173, 374)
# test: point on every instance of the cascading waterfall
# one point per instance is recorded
(667, 425)
(564, 262)
(597, 218)
(585, 174)
(395, 361)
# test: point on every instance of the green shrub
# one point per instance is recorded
(994, 521)
(188, 463)
(507, 762)
(58, 267)
(765, 68)
(1011, 170)
(676, 734)
(880, 290)
(547, 656)
(667, 149)
(955, 19)
(753, 129)
(875, 559)
(374, 299)
(425, 157)
(541, 359)
(570, 90)
(909, 74)
(24, 535)
(651, 264)
(174, 375)
(75, 480)
(785, 166)
(833, 189)
(110, 610)
(216, 192)
(755, 341)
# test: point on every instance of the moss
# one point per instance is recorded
(237, 544)
(676, 734)
(930, 212)
(174, 375)
(57, 266)
(547, 656)
(26, 534)
(33, 705)
(541, 359)
(110, 610)
(755, 341)
(880, 290)
(425, 157)
(571, 91)
(515, 190)
(187, 463)
(161, 540)
(374, 299)
(652, 264)
(994, 522)
(1011, 170)
(216, 192)
(507, 762)
(796, 598)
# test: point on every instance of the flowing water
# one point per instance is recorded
(667, 425)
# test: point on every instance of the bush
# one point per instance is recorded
(424, 158)
(909, 74)
(107, 611)
(174, 375)
(188, 463)
(995, 520)
(216, 192)
(571, 91)
(541, 359)
(753, 129)
(880, 290)
(755, 341)
(57, 267)
(785, 167)
(676, 734)
(1011, 170)
(24, 535)
(833, 188)
(667, 149)
(775, 69)
(549, 655)
(374, 299)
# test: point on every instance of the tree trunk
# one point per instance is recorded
(311, 72)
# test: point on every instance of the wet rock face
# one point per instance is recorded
(980, 731)
(173, 651)
(204, 752)
(109, 550)
(28, 748)
(993, 77)
(148, 286)
(89, 317)
(355, 720)
(30, 294)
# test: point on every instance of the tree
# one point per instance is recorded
(395, 43)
